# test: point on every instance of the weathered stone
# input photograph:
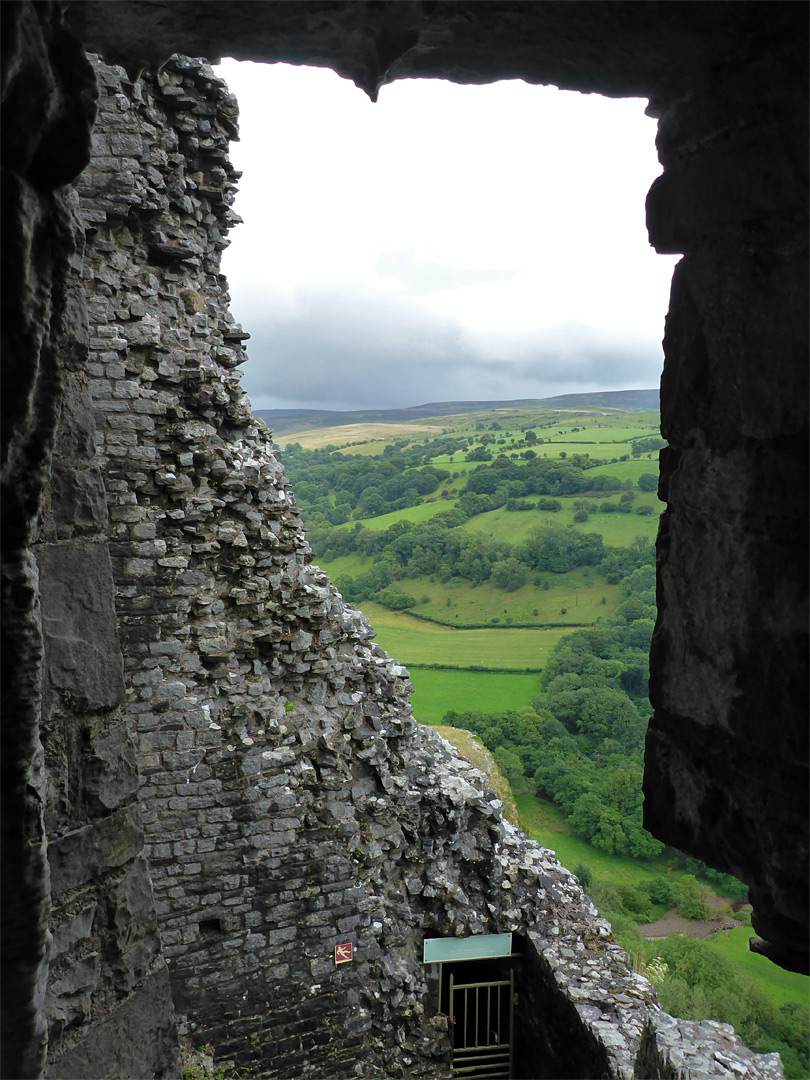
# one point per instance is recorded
(81, 855)
(79, 626)
(112, 1048)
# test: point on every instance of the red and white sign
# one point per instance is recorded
(344, 953)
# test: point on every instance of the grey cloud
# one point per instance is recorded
(345, 350)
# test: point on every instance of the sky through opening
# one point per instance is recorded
(448, 243)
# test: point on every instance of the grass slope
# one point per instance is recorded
(579, 591)
(781, 986)
(436, 692)
(414, 642)
(477, 754)
(545, 823)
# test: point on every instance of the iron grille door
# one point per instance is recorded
(483, 1028)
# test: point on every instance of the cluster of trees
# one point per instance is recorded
(333, 488)
(504, 478)
(580, 742)
(439, 547)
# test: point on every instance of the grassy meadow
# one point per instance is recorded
(413, 641)
(781, 986)
(436, 692)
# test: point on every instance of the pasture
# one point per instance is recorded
(412, 641)
(436, 692)
(780, 986)
(340, 437)
(579, 591)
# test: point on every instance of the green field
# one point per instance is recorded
(436, 692)
(412, 641)
(617, 530)
(579, 591)
(629, 470)
(411, 513)
(607, 435)
(780, 985)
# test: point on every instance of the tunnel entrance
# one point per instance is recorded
(477, 992)
(508, 1019)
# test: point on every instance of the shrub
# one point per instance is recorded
(636, 899)
(581, 515)
(661, 891)
(582, 872)
(691, 897)
(391, 598)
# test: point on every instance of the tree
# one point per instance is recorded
(512, 768)
(648, 482)
(691, 897)
(583, 874)
(509, 574)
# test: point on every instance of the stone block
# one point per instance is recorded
(138, 1039)
(86, 853)
(112, 774)
(82, 653)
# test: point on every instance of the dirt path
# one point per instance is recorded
(673, 923)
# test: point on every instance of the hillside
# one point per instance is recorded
(286, 421)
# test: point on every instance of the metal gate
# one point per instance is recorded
(483, 1028)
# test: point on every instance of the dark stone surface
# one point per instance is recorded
(47, 96)
(83, 657)
(79, 856)
(726, 774)
(137, 1040)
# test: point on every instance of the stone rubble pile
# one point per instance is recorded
(290, 801)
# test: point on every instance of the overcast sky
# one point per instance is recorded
(446, 243)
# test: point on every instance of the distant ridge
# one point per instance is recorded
(282, 421)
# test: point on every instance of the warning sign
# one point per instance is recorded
(344, 953)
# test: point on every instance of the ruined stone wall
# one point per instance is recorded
(729, 82)
(290, 801)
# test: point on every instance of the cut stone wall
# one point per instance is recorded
(81, 952)
(729, 656)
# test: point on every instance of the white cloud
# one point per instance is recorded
(480, 226)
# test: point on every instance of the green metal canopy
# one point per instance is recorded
(442, 950)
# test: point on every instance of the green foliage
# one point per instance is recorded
(690, 896)
(705, 985)
(512, 768)
(583, 874)
(662, 891)
(397, 601)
